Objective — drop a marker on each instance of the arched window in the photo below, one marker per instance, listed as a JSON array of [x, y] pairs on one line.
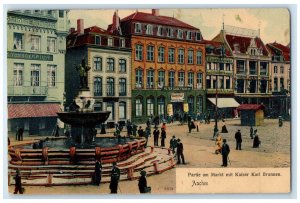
[[161, 54], [150, 106], [138, 28], [97, 86], [190, 79], [172, 79], [191, 104], [139, 106], [110, 64], [138, 52], [122, 87], [161, 79], [199, 80], [149, 30], [160, 31], [122, 110], [180, 79], [161, 105], [139, 78], [98, 63], [110, 90], [199, 57], [122, 65], [179, 34], [150, 79], [150, 53]]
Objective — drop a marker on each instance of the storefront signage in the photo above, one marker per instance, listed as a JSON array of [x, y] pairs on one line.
[[31, 22], [29, 56], [170, 109], [186, 107], [177, 97], [177, 88], [214, 59]]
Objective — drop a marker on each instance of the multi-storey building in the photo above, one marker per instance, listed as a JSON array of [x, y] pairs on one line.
[[109, 56], [252, 61], [36, 45], [219, 79], [167, 66], [281, 84]]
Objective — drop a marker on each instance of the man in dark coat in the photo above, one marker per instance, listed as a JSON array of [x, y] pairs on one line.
[[225, 151], [251, 132], [18, 183], [256, 141], [163, 137], [114, 179], [238, 139], [143, 182], [173, 144], [140, 131], [156, 136], [98, 172], [180, 152], [20, 134]]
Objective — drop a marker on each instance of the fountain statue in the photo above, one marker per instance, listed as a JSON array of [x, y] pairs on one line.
[[81, 117]]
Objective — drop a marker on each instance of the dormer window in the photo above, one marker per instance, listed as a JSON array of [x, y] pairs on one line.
[[169, 32], [160, 31], [236, 47], [179, 34], [97, 40], [138, 28], [122, 43], [198, 36], [149, 30], [188, 35], [110, 41]]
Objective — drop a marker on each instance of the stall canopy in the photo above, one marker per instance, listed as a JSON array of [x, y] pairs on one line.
[[32, 110], [225, 102]]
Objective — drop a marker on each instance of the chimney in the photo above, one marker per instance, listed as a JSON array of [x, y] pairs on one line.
[[80, 27], [155, 12], [72, 29]]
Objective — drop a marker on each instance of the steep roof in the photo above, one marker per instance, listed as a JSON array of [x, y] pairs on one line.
[[285, 50], [215, 46], [244, 43], [161, 20]]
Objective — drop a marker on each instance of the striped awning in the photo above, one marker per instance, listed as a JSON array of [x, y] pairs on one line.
[[225, 102], [33, 110]]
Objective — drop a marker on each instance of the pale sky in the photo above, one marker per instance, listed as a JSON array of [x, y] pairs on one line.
[[274, 22]]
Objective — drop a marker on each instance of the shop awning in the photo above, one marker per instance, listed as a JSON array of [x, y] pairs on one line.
[[33, 110], [224, 102]]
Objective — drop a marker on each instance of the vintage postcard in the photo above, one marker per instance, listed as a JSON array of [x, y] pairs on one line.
[[156, 101]]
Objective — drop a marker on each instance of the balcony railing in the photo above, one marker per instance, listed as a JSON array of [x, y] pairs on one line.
[[220, 91], [27, 91], [219, 72]]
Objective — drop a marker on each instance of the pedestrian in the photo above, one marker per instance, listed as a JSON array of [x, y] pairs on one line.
[[224, 129], [98, 172], [143, 183], [225, 152], [173, 144], [134, 129], [140, 131], [147, 134], [18, 183], [191, 125], [256, 141], [114, 179], [163, 136], [156, 135], [8, 141], [180, 152], [219, 140], [148, 123], [238, 139], [129, 128], [251, 132], [20, 134], [164, 126]]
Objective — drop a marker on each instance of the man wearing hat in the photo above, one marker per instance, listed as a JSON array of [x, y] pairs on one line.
[[156, 136], [173, 144], [98, 172], [225, 151], [180, 152], [238, 139], [18, 183], [114, 179], [143, 182]]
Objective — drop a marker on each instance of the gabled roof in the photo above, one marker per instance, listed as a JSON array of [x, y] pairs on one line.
[[244, 43], [285, 50], [216, 46], [160, 20], [93, 29], [250, 107]]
